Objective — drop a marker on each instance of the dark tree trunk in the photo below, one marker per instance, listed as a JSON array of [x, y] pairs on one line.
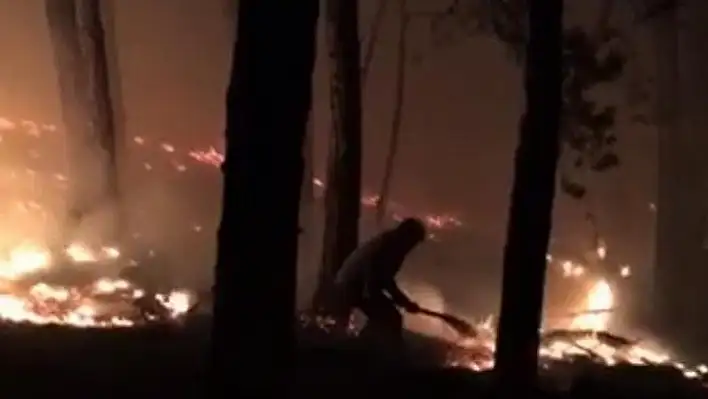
[[80, 55], [308, 235], [343, 190], [268, 103], [102, 99], [372, 40], [71, 73], [308, 153], [399, 99], [531, 202], [677, 243]]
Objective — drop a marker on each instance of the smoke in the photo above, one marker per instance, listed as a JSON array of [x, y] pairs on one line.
[[33, 187], [171, 219], [56, 191]]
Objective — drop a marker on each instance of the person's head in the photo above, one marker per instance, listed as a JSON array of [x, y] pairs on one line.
[[411, 231]]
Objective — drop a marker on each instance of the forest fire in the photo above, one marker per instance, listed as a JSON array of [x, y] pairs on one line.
[[104, 302], [585, 337], [109, 303], [582, 336]]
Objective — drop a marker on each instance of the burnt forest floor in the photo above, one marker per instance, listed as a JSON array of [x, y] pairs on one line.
[[170, 362]]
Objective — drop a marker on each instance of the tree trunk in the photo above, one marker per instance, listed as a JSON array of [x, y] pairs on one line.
[[531, 202], [372, 40], [308, 226], [675, 239], [268, 103], [71, 73], [692, 120], [80, 56], [308, 152], [103, 94], [343, 188], [399, 100]]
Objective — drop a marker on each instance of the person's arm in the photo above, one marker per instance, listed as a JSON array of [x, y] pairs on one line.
[[399, 297]]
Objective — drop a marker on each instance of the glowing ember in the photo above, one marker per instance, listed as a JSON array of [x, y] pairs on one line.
[[601, 250]]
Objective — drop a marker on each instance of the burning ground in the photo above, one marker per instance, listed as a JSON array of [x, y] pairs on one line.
[[29, 295], [575, 336]]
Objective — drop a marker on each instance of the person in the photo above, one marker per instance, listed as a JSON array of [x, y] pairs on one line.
[[367, 281]]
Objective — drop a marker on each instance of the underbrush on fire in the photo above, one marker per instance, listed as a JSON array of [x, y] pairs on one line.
[[170, 360], [359, 369]]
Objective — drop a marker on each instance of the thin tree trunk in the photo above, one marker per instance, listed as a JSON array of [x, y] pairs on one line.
[[79, 49], [308, 152], [675, 215], [307, 217], [71, 72], [268, 103], [343, 188], [372, 40], [399, 100], [531, 203], [102, 93]]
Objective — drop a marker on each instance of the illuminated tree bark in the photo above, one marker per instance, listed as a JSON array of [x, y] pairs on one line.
[[531, 202], [268, 103], [343, 188]]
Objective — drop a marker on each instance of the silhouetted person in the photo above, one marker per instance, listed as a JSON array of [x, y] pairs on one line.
[[367, 279]]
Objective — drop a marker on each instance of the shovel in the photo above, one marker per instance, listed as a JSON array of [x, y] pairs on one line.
[[460, 326]]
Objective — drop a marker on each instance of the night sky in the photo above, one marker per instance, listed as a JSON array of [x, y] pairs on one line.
[[459, 130]]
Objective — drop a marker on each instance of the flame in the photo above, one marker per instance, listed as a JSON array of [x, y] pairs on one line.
[[601, 250], [80, 253], [584, 338], [596, 313], [44, 303], [23, 260]]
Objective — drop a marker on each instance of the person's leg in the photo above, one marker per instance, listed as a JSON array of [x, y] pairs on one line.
[[383, 318]]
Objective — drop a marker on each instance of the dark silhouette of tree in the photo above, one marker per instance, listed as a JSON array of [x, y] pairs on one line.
[[675, 242], [593, 57], [397, 120], [77, 36], [343, 185], [371, 40], [307, 194], [532, 196], [115, 95], [64, 36], [268, 102], [81, 59], [103, 96]]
